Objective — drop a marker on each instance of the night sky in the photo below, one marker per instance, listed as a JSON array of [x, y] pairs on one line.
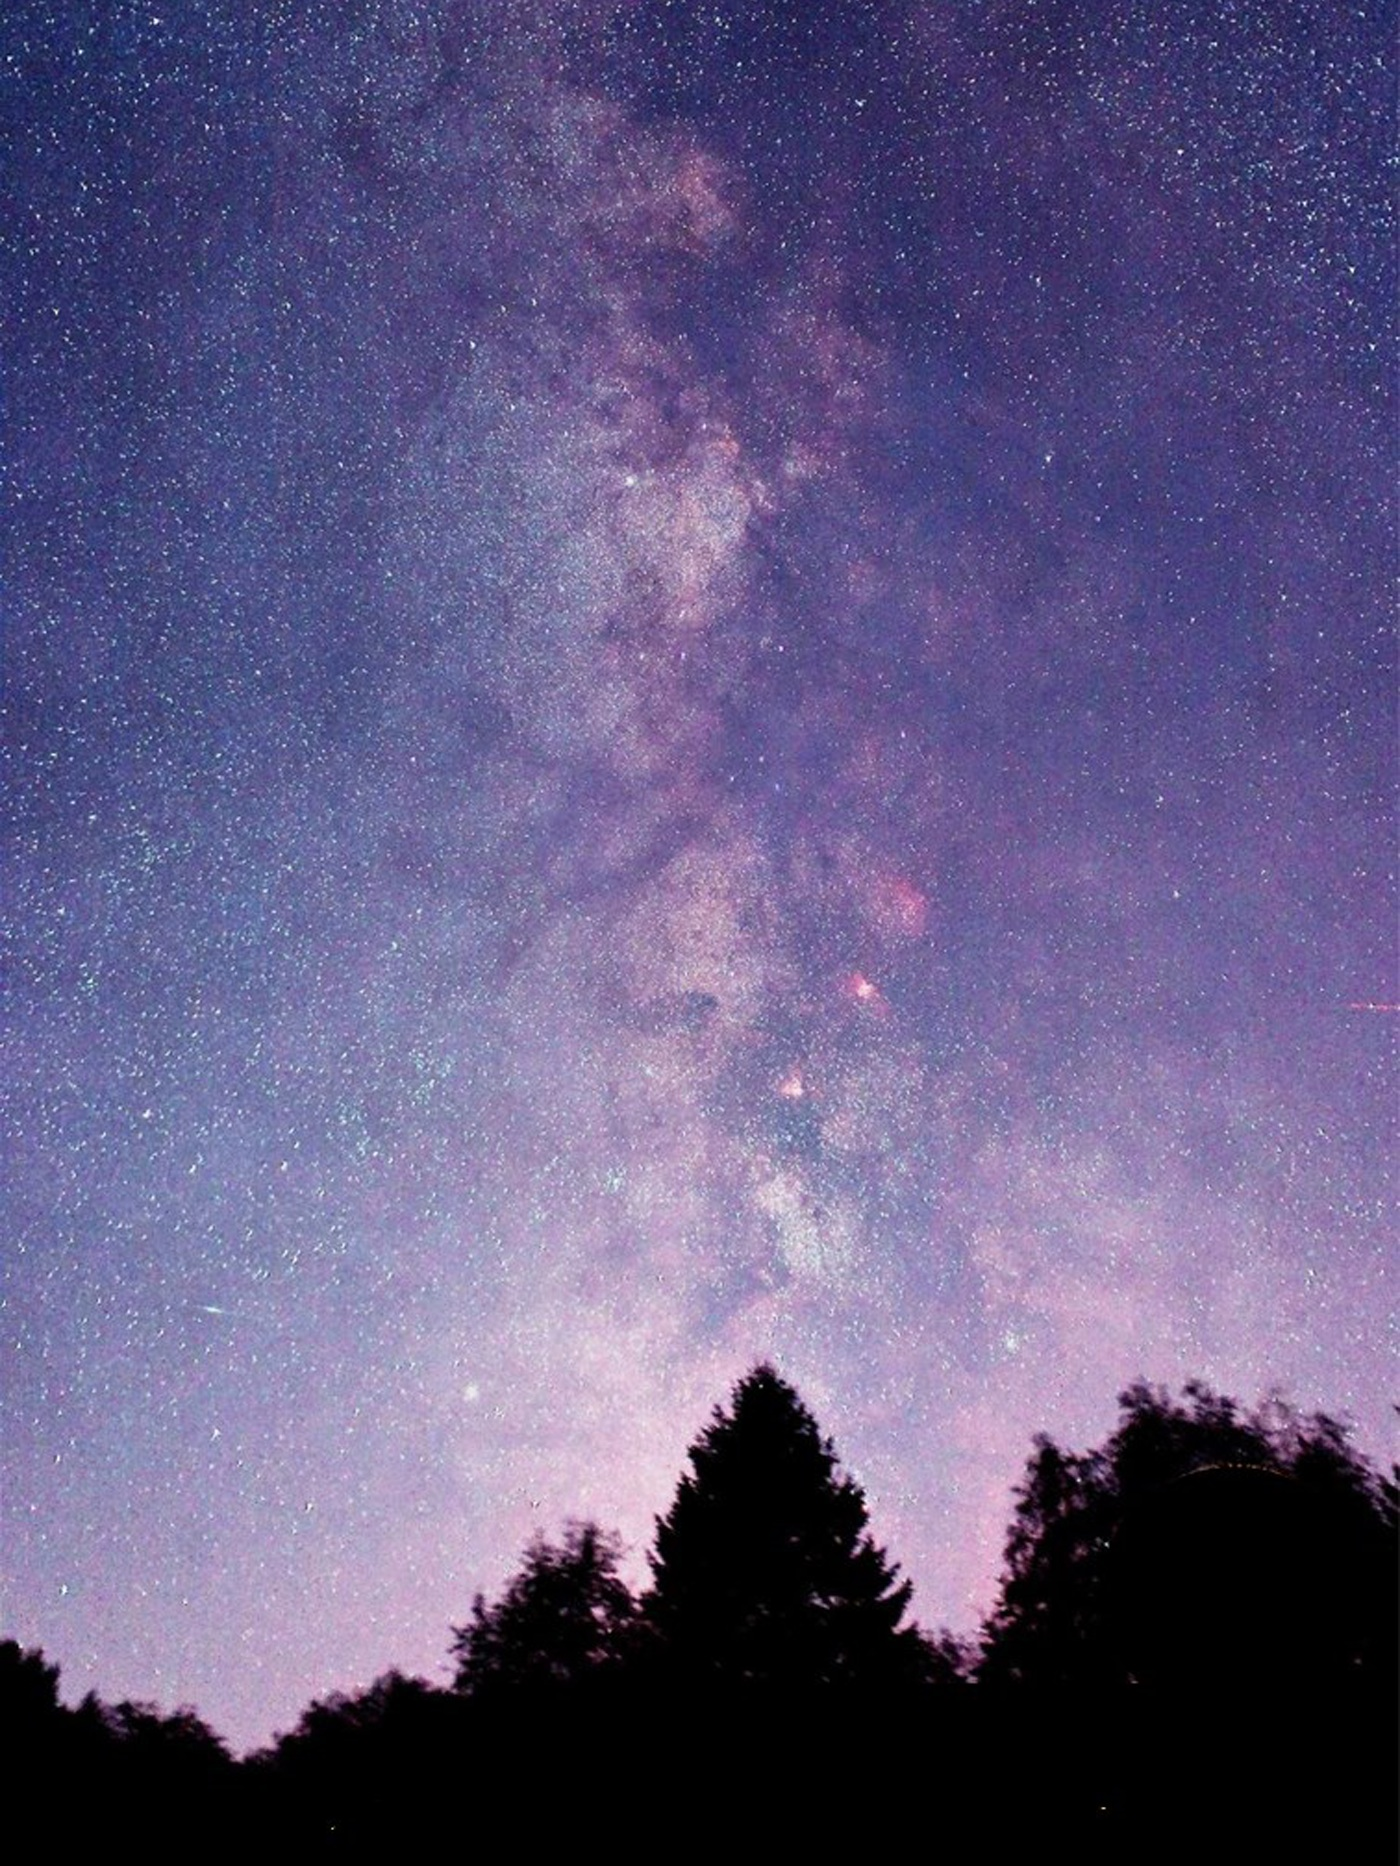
[[682, 683]]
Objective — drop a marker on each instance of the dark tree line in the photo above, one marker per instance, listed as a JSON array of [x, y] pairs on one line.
[[764, 1579], [1204, 1593], [79, 1777]]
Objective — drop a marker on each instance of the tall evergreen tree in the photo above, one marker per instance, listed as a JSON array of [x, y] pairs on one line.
[[764, 1573]]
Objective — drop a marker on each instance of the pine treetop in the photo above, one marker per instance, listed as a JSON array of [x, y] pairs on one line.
[[764, 1570]]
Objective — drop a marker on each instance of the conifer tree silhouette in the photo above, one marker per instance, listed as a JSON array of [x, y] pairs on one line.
[[764, 1573]]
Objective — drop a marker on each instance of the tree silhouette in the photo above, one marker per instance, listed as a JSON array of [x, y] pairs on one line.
[[361, 1773], [563, 1620], [122, 1772], [1199, 1547], [764, 1573], [35, 1730], [31, 1716]]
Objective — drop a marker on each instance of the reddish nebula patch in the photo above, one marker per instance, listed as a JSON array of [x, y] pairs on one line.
[[865, 995], [899, 909]]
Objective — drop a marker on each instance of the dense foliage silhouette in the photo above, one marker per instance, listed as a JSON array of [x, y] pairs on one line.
[[1199, 1547], [563, 1622], [1192, 1654], [362, 1771], [164, 1782]]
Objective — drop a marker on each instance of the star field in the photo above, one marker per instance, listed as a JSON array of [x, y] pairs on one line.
[[683, 683]]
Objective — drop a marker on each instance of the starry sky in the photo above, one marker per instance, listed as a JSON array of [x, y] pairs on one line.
[[682, 682]]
